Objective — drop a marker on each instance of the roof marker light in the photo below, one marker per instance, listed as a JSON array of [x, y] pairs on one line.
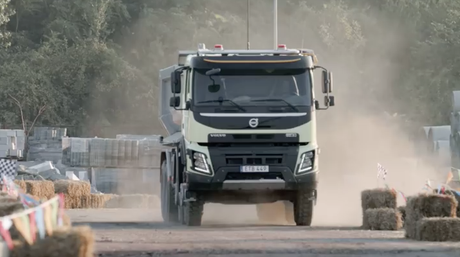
[[282, 47], [219, 47]]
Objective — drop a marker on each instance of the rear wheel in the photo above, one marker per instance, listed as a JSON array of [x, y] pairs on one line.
[[303, 208], [193, 212], [169, 210]]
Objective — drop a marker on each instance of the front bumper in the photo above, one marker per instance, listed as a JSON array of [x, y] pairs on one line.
[[230, 178]]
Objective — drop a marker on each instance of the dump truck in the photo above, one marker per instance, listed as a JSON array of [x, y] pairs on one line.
[[242, 130]]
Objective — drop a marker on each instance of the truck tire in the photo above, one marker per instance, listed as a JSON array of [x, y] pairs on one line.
[[303, 208], [169, 210], [193, 212], [289, 212]]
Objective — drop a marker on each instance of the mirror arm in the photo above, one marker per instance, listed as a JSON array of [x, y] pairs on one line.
[[319, 67]]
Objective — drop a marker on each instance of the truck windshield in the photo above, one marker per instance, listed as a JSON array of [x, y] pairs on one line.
[[246, 88]]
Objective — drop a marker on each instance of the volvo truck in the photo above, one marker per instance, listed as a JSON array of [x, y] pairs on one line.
[[242, 130]]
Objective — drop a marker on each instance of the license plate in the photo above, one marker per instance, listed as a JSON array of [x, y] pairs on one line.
[[253, 168]]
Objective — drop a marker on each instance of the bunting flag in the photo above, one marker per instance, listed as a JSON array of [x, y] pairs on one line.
[[4, 227], [41, 220]]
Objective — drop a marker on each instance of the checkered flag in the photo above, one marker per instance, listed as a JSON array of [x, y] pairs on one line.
[[381, 171], [8, 169]]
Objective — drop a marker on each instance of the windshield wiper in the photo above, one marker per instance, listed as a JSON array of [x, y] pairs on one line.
[[277, 100], [224, 100]]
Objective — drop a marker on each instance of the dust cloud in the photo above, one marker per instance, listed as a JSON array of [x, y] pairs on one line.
[[356, 134]]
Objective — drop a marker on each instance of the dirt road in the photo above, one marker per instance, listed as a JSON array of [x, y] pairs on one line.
[[131, 232]]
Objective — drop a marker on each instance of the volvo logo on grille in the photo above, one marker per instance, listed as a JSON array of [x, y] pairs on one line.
[[254, 122]]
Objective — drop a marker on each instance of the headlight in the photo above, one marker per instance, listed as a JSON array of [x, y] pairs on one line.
[[199, 163], [306, 162]]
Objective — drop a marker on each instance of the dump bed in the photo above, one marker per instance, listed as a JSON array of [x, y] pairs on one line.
[[165, 111]]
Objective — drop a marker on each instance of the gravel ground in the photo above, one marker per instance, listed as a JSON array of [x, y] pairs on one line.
[[132, 232]]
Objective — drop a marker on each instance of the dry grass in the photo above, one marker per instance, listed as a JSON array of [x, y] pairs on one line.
[[65, 242], [135, 201], [427, 206], [438, 229], [21, 184], [72, 187], [40, 188], [383, 219], [376, 199]]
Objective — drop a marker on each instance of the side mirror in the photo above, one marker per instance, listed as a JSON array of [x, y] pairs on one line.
[[327, 81], [174, 101], [317, 107], [329, 101], [176, 82]]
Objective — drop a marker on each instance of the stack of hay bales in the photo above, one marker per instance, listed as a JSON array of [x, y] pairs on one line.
[[95, 201], [432, 217], [73, 191], [66, 241], [41, 189], [135, 201], [379, 210]]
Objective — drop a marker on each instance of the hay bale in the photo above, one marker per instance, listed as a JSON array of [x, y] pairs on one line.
[[40, 188], [21, 184], [74, 188], [456, 196], [65, 242], [72, 201], [427, 206], [383, 219], [375, 199], [438, 229], [135, 201]]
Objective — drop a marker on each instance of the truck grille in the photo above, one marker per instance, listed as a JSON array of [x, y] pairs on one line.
[[254, 159]]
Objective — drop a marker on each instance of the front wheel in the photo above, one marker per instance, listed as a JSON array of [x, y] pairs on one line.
[[193, 212], [169, 209], [303, 208]]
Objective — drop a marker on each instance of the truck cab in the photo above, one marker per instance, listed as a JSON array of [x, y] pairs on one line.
[[247, 131]]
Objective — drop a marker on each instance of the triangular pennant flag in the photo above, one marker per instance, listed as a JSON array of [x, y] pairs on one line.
[[48, 221], [26, 223], [6, 234], [54, 212], [33, 226], [18, 223], [40, 221], [61, 210]]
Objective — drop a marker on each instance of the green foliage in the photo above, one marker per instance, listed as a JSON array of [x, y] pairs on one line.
[[94, 63]]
